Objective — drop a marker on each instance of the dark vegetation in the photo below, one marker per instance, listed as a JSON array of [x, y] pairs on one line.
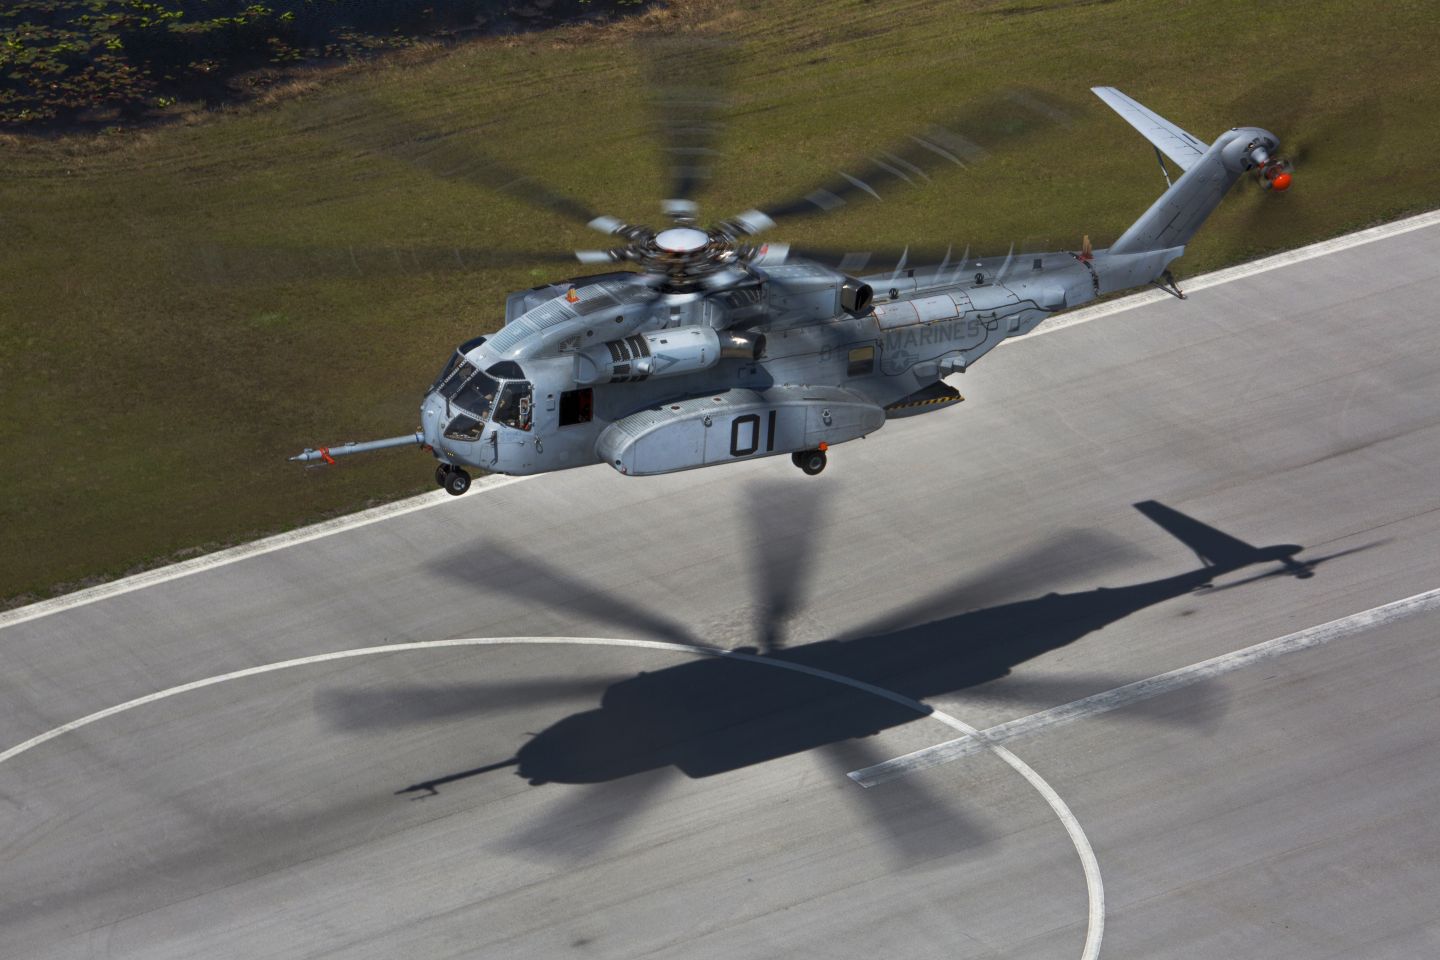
[[67, 62]]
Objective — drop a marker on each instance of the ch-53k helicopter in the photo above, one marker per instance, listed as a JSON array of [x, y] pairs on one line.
[[721, 347]]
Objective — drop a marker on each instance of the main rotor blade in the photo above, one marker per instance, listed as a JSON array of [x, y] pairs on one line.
[[689, 79], [882, 259], [962, 140], [452, 155], [220, 263]]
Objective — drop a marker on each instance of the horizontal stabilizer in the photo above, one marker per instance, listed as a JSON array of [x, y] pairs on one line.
[[1214, 548], [1179, 146]]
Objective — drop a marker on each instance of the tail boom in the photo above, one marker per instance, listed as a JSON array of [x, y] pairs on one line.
[[1209, 174]]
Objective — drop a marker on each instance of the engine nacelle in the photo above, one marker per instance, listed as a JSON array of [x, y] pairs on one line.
[[664, 353]]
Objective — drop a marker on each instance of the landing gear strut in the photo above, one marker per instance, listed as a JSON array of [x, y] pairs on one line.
[[811, 461], [455, 480]]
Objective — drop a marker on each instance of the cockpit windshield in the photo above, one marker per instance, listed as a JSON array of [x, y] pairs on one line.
[[455, 360], [477, 395], [503, 389]]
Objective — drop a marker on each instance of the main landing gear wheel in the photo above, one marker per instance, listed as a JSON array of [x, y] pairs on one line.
[[441, 472], [457, 481], [811, 461]]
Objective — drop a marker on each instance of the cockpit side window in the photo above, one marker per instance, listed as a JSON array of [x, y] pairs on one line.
[[513, 408], [449, 368], [454, 376]]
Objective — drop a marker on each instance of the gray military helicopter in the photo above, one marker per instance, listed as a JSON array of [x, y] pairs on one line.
[[723, 347]]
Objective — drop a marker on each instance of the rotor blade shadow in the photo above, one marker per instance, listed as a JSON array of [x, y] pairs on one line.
[[785, 521], [1034, 568], [589, 820], [510, 572], [915, 823], [717, 714], [389, 707]]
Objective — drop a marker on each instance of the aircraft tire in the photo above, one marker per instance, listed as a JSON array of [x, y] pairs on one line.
[[457, 482], [441, 473], [811, 461]]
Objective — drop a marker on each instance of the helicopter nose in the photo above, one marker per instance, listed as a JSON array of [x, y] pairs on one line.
[[432, 418]]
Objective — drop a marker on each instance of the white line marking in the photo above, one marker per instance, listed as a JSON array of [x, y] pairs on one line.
[[1095, 890], [220, 558], [1143, 689]]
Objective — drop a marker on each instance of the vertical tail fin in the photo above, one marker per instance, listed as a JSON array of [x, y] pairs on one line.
[[1214, 548]]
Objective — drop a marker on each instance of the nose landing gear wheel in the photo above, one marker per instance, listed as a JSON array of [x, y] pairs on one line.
[[457, 481], [811, 461], [441, 472]]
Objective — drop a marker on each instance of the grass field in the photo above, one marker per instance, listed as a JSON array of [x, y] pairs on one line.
[[150, 391]]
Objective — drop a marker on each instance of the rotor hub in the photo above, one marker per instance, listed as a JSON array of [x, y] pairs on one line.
[[682, 240]]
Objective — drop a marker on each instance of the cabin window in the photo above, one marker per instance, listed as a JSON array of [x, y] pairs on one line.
[[577, 406], [862, 362]]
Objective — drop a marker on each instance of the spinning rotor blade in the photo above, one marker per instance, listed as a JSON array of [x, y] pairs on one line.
[[886, 259], [218, 263], [1321, 141], [963, 140], [455, 156], [689, 78]]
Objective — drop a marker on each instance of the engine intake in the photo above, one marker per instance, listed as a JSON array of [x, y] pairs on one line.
[[855, 296]]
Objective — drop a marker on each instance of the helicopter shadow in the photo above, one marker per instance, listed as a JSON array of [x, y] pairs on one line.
[[718, 714]]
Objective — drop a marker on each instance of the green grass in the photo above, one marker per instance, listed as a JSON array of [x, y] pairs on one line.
[[149, 393]]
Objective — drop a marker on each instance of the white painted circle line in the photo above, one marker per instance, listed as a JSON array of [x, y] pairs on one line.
[[1095, 891], [35, 611]]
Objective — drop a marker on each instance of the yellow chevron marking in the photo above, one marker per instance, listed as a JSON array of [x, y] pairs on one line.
[[924, 403]]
